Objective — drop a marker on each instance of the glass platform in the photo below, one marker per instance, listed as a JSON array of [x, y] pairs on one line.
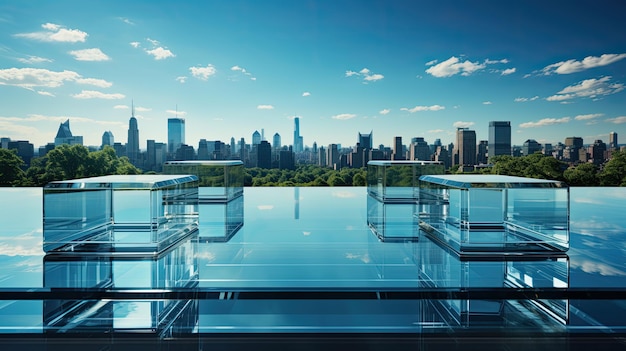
[[494, 213], [119, 212], [398, 181], [305, 270], [219, 180]]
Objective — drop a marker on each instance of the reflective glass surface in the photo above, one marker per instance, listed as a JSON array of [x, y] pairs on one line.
[[304, 261]]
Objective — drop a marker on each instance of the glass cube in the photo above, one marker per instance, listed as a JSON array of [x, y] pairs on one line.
[[220, 221], [393, 181], [474, 213], [174, 268], [392, 221], [119, 212], [441, 267], [218, 180]]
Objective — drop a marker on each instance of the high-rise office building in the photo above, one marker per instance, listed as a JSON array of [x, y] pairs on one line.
[[366, 140], [256, 138], [419, 149], [499, 138], [24, 150], [132, 145], [613, 140], [298, 143], [107, 139], [530, 147], [597, 152], [481, 155], [64, 135], [332, 156], [466, 147], [264, 154], [175, 134], [276, 144], [398, 149]]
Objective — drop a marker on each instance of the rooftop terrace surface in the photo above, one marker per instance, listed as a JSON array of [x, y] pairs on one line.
[[306, 263]]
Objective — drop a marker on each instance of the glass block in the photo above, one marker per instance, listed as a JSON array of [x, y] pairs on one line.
[[220, 221], [174, 268], [397, 181], [218, 180], [441, 267], [395, 221], [119, 212], [493, 213]]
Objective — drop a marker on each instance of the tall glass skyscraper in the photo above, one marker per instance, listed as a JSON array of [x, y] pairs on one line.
[[499, 138], [298, 143], [175, 134], [466, 146], [132, 145]]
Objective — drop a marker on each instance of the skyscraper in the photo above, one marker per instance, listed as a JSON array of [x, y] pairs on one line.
[[107, 139], [256, 138], [499, 138], [466, 147], [264, 154], [132, 145], [613, 140], [175, 134], [64, 135], [298, 143], [276, 142], [365, 140], [398, 149]]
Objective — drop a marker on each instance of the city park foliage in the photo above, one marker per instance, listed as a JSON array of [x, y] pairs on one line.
[[76, 161]]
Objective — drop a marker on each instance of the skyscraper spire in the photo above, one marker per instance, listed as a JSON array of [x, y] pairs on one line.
[[132, 108]]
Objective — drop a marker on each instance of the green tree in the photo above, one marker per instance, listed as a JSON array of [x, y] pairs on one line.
[[585, 174], [614, 171], [11, 173]]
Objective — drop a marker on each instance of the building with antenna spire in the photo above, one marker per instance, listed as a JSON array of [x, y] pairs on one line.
[[132, 145]]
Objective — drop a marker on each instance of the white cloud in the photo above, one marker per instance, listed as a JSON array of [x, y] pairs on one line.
[[424, 108], [30, 78], [177, 113], [436, 131], [126, 20], [95, 82], [33, 60], [545, 122], [160, 53], [45, 93], [344, 116], [153, 42], [487, 103], [367, 75], [508, 71], [89, 55], [203, 72], [265, 107], [384, 111], [242, 70], [121, 107], [461, 124], [573, 66], [56, 33], [617, 120], [135, 44], [524, 99], [453, 66], [92, 94], [432, 62], [142, 109], [588, 116], [181, 79], [306, 93], [237, 68], [588, 88]]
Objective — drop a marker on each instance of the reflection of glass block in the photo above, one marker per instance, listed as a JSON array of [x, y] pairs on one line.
[[441, 267], [496, 213], [125, 212], [218, 180], [174, 268], [220, 221], [393, 181], [392, 221]]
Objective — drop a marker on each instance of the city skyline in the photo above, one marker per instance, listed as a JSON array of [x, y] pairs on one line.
[[396, 68]]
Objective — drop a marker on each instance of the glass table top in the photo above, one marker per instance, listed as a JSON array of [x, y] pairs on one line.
[[304, 260]]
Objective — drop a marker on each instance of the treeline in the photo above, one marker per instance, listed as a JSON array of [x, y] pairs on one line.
[[62, 163], [612, 173], [76, 161]]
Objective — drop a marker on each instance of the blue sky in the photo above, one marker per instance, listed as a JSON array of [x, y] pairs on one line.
[[400, 68]]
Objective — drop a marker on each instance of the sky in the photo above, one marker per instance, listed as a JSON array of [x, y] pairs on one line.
[[555, 69]]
